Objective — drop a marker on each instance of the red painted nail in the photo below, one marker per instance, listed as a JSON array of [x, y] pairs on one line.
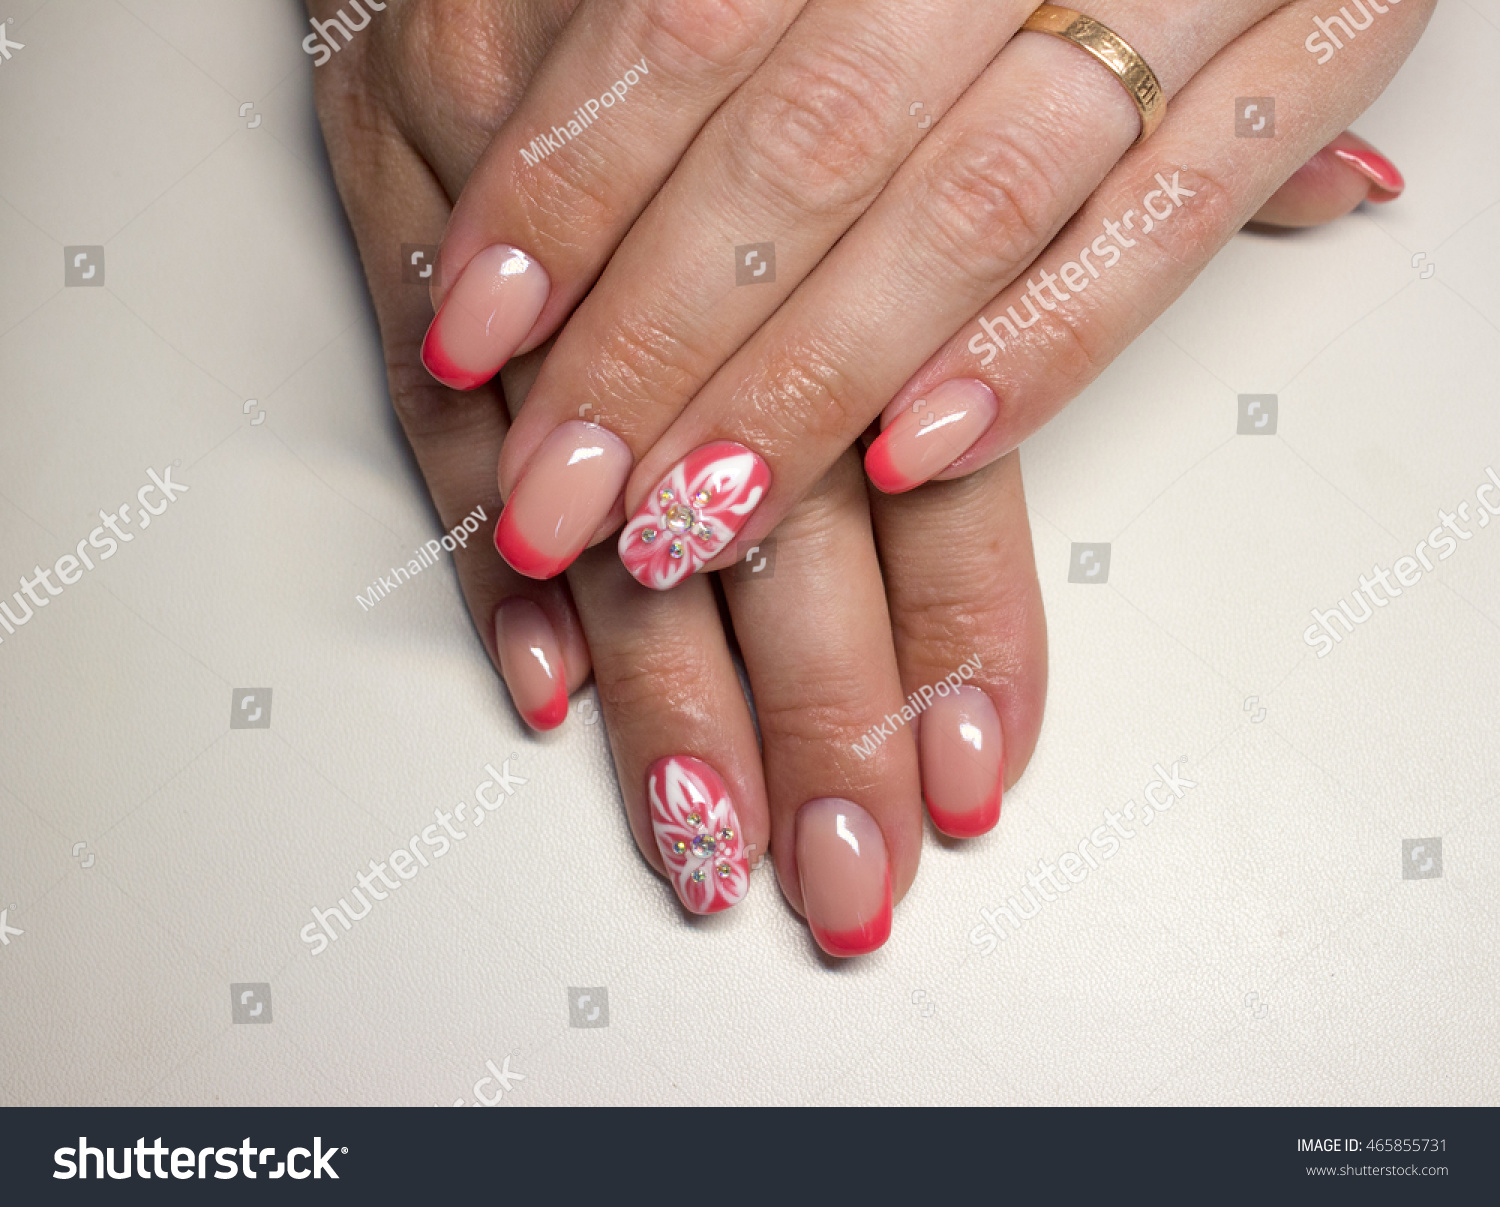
[[1377, 167]]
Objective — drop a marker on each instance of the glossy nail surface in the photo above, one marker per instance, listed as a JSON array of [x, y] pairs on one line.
[[931, 434], [698, 833], [1388, 181], [961, 753], [531, 660], [845, 876], [693, 513], [491, 308], [566, 491]]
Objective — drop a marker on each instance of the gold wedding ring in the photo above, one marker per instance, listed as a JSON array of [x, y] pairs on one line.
[[1114, 52]]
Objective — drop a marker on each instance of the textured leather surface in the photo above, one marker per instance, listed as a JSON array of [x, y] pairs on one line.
[[1256, 944]]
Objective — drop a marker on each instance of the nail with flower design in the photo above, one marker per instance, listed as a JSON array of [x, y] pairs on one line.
[[693, 514], [698, 833]]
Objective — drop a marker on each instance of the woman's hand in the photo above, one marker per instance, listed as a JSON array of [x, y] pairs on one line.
[[833, 654], [1023, 219], [831, 658]]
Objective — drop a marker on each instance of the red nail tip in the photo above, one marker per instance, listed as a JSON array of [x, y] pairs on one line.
[[437, 362], [519, 553], [967, 825], [1374, 165], [859, 942], [553, 714], [881, 470]]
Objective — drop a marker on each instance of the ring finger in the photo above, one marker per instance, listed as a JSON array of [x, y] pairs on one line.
[[846, 822]]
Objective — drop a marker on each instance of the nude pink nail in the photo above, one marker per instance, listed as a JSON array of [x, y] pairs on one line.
[[531, 661], [693, 513], [931, 434], [961, 753], [565, 492], [491, 308], [845, 876], [698, 833]]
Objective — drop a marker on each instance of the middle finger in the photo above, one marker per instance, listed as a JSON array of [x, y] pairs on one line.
[[790, 160], [975, 203]]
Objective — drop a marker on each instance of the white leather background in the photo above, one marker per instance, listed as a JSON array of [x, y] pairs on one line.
[[1257, 944]]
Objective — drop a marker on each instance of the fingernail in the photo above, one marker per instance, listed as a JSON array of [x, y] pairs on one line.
[[931, 434], [698, 833], [1377, 167], [961, 761], [565, 493], [845, 876], [531, 661], [491, 308], [693, 513]]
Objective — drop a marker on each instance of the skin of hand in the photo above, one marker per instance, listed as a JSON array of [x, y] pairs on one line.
[[406, 120], [776, 123], [407, 109]]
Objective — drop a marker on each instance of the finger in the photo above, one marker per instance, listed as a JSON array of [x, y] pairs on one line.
[[683, 740], [1003, 170], [971, 637], [452, 73], [1200, 185], [453, 437], [606, 116], [918, 443], [846, 825], [1330, 184], [789, 161]]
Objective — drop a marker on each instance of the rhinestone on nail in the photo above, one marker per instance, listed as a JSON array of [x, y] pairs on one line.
[[724, 870], [665, 496], [679, 848], [726, 835], [698, 876], [705, 847], [695, 819], [702, 530], [675, 548], [702, 497], [680, 518], [648, 535]]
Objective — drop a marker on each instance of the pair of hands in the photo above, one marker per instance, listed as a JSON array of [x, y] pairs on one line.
[[783, 122]]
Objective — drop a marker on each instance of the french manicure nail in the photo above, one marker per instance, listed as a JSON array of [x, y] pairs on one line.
[[961, 754], [693, 513], [531, 661], [565, 492], [1377, 167], [698, 833], [931, 434], [845, 876], [489, 310]]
